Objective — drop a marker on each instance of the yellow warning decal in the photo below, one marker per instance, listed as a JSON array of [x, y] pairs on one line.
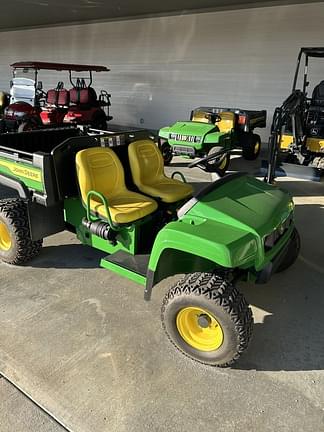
[[22, 171]]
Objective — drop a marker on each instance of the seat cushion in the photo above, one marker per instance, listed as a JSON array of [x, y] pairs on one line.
[[168, 190], [125, 208]]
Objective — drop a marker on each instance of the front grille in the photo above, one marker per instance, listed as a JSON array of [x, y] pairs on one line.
[[272, 239], [183, 150]]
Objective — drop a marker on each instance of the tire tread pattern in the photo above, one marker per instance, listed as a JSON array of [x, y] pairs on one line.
[[216, 288], [15, 212]]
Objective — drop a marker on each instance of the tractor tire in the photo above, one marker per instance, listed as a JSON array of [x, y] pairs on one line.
[[219, 165], [251, 146], [292, 253], [166, 151], [16, 246], [207, 319]]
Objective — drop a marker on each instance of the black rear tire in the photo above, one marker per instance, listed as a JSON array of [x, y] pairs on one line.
[[292, 252], [251, 146], [222, 301], [16, 246], [166, 151]]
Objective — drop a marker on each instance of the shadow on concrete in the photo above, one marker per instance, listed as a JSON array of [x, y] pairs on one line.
[[290, 336], [68, 256]]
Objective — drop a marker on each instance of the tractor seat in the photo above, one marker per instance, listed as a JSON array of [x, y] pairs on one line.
[[100, 170], [147, 167]]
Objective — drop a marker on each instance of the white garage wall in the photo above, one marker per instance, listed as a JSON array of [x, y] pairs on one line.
[[163, 67]]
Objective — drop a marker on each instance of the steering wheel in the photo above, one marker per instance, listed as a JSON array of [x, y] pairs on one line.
[[213, 117], [202, 163]]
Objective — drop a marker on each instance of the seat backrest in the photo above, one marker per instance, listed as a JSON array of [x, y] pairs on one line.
[[63, 97], [83, 96], [51, 97], [226, 124], [318, 95], [200, 116], [99, 169], [146, 162]]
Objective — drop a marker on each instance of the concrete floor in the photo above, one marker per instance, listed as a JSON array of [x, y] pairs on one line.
[[19, 414], [81, 341]]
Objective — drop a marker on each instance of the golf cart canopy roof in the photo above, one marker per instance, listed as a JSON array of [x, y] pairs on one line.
[[313, 52], [59, 66]]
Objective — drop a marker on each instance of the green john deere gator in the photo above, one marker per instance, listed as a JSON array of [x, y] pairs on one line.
[[214, 130], [111, 191]]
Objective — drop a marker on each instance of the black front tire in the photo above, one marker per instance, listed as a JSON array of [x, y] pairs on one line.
[[218, 165], [16, 245], [251, 146], [220, 298], [292, 252], [166, 151]]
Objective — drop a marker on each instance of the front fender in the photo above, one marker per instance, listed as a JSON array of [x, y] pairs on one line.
[[189, 245], [225, 245], [164, 132]]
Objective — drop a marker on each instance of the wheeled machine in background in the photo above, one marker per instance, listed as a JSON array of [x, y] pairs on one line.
[[296, 143], [214, 130], [111, 191], [33, 108]]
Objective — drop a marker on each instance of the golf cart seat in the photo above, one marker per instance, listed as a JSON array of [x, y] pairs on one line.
[[100, 170], [58, 97], [147, 167], [84, 96]]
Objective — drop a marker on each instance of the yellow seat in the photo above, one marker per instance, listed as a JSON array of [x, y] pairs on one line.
[[100, 170], [226, 124], [147, 169], [201, 117]]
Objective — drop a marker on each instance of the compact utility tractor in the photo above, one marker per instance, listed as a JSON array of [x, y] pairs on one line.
[[33, 108], [111, 191], [213, 130], [296, 144]]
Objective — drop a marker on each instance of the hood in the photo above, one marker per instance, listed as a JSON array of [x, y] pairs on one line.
[[191, 128], [245, 203]]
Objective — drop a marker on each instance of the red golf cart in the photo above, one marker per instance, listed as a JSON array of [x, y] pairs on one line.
[[32, 108]]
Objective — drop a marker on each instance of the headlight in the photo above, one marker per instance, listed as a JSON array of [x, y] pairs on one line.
[[271, 239]]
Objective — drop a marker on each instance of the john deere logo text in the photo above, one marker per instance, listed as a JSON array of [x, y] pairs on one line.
[[21, 171]]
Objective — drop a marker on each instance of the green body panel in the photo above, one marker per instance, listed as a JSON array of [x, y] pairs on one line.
[[123, 272], [74, 212], [228, 225], [32, 177], [208, 136], [226, 228]]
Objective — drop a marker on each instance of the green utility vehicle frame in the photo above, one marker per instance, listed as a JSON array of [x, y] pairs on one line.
[[112, 192], [211, 130]]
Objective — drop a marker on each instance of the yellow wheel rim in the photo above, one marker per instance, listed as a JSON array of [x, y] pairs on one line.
[[199, 328], [5, 238], [257, 147], [222, 164]]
